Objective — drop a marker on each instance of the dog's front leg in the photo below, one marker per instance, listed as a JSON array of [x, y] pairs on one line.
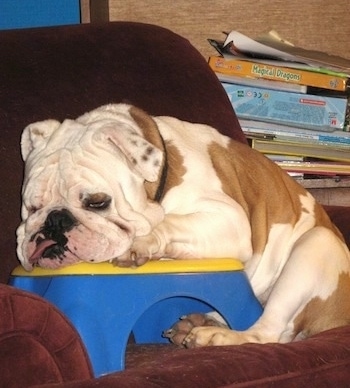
[[197, 235]]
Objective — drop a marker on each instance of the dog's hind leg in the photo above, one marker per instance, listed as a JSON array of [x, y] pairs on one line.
[[178, 332], [311, 295]]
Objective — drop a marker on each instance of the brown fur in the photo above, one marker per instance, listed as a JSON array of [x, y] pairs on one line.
[[176, 167], [336, 305], [243, 173], [175, 163], [151, 133]]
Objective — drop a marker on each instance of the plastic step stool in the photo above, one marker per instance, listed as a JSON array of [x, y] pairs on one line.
[[106, 303]]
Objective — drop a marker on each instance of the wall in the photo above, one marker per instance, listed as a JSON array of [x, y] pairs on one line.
[[314, 24]]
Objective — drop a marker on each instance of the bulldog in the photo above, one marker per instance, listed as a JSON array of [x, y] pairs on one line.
[[119, 185]]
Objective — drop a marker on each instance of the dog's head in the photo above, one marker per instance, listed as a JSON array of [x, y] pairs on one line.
[[84, 195]]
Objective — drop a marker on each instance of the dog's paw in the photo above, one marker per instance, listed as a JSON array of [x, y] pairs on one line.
[[143, 249], [126, 260], [180, 331], [210, 336]]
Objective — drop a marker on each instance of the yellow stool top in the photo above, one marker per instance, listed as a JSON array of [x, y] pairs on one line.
[[151, 267]]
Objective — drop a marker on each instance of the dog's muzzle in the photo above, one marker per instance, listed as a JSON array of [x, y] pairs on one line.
[[51, 241]]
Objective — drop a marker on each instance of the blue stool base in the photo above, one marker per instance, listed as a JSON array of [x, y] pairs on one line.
[[106, 309]]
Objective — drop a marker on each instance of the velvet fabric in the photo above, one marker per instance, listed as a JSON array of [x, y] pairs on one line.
[[321, 361], [37, 343], [62, 72]]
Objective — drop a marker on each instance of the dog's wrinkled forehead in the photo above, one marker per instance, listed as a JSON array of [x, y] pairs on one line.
[[50, 134], [112, 129]]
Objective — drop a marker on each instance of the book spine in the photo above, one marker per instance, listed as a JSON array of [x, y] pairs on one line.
[[305, 150], [277, 73], [293, 136], [304, 135], [322, 113]]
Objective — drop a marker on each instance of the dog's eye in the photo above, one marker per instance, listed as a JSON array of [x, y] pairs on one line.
[[99, 205], [98, 201]]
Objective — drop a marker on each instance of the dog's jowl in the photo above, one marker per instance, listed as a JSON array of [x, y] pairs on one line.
[[119, 185]]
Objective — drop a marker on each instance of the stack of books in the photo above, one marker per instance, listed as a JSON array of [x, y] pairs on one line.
[[293, 104]]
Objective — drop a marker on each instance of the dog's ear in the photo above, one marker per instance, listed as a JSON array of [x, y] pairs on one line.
[[36, 135], [141, 147]]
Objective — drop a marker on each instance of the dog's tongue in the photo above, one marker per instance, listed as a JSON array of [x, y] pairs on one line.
[[39, 250]]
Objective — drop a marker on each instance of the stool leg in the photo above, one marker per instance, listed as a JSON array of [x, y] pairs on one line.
[[104, 339], [104, 323]]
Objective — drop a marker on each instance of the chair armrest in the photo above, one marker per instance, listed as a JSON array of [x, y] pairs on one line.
[[38, 344]]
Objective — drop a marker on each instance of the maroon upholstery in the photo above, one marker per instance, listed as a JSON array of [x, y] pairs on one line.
[[63, 72], [37, 344], [321, 361]]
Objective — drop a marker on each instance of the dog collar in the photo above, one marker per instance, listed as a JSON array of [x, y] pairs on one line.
[[160, 190]]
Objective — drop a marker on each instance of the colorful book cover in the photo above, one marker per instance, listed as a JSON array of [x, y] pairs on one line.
[[285, 132], [251, 69], [300, 110], [319, 151]]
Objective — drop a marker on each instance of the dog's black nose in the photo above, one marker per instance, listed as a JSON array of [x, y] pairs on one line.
[[51, 240], [59, 221]]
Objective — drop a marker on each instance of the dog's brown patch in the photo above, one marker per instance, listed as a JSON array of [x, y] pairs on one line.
[[265, 192], [176, 167], [320, 315], [148, 126], [151, 133], [175, 163]]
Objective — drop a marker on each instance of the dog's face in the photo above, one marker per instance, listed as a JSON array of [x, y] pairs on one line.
[[84, 197]]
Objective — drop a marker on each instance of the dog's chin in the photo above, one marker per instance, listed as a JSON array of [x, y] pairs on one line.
[[47, 263]]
